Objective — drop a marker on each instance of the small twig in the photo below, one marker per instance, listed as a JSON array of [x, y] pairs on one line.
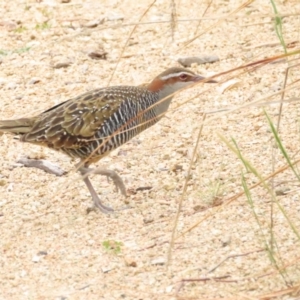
[[42, 164], [127, 41], [144, 188], [232, 256], [204, 279], [172, 240]]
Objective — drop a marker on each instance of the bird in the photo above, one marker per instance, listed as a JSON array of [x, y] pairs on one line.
[[91, 125]]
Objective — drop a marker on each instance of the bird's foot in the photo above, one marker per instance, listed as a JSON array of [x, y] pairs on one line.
[[117, 180], [109, 173]]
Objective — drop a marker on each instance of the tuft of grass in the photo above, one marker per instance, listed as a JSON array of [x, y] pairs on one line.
[[269, 240], [251, 169], [278, 26], [45, 12], [43, 26], [211, 195], [113, 247], [290, 163], [281, 147], [3, 52], [20, 29], [270, 243], [19, 50]]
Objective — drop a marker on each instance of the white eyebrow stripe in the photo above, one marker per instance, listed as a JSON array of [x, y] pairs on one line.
[[175, 75]]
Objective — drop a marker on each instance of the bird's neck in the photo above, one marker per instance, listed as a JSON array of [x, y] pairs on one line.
[[164, 92]]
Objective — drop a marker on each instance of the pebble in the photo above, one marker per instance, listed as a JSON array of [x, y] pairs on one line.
[[62, 64], [177, 167], [11, 86], [282, 192], [10, 187], [169, 289], [10, 25], [3, 182], [148, 220], [84, 68], [258, 125], [276, 87], [115, 18], [106, 269], [97, 54], [34, 80], [94, 23], [131, 263], [160, 261], [198, 60], [36, 258], [225, 240]]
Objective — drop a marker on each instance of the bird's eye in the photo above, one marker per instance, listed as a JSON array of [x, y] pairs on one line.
[[183, 77]]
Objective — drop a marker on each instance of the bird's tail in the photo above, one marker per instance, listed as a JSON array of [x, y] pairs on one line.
[[18, 126]]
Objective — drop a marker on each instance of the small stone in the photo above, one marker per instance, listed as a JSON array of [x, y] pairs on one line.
[[10, 25], [2, 81], [97, 54], [34, 81], [84, 68], [276, 87], [198, 208], [160, 261], [182, 151], [257, 126], [166, 156], [225, 240], [115, 18], [94, 23], [2, 182], [198, 60], [282, 192], [23, 273], [177, 168], [148, 220], [10, 187], [131, 263], [62, 64], [169, 187], [36, 258], [225, 127], [65, 1], [143, 188], [122, 153], [11, 86], [106, 269]]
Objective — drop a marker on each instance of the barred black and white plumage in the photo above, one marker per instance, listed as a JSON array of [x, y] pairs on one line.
[[93, 124]]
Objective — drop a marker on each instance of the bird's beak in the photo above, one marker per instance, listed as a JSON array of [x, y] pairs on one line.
[[200, 78]]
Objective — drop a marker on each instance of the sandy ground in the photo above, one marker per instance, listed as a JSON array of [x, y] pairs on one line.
[[50, 248]]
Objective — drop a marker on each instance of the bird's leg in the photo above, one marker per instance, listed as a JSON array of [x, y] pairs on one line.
[[117, 180], [85, 172]]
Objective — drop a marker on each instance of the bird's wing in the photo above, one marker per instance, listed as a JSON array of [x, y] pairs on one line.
[[76, 121]]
